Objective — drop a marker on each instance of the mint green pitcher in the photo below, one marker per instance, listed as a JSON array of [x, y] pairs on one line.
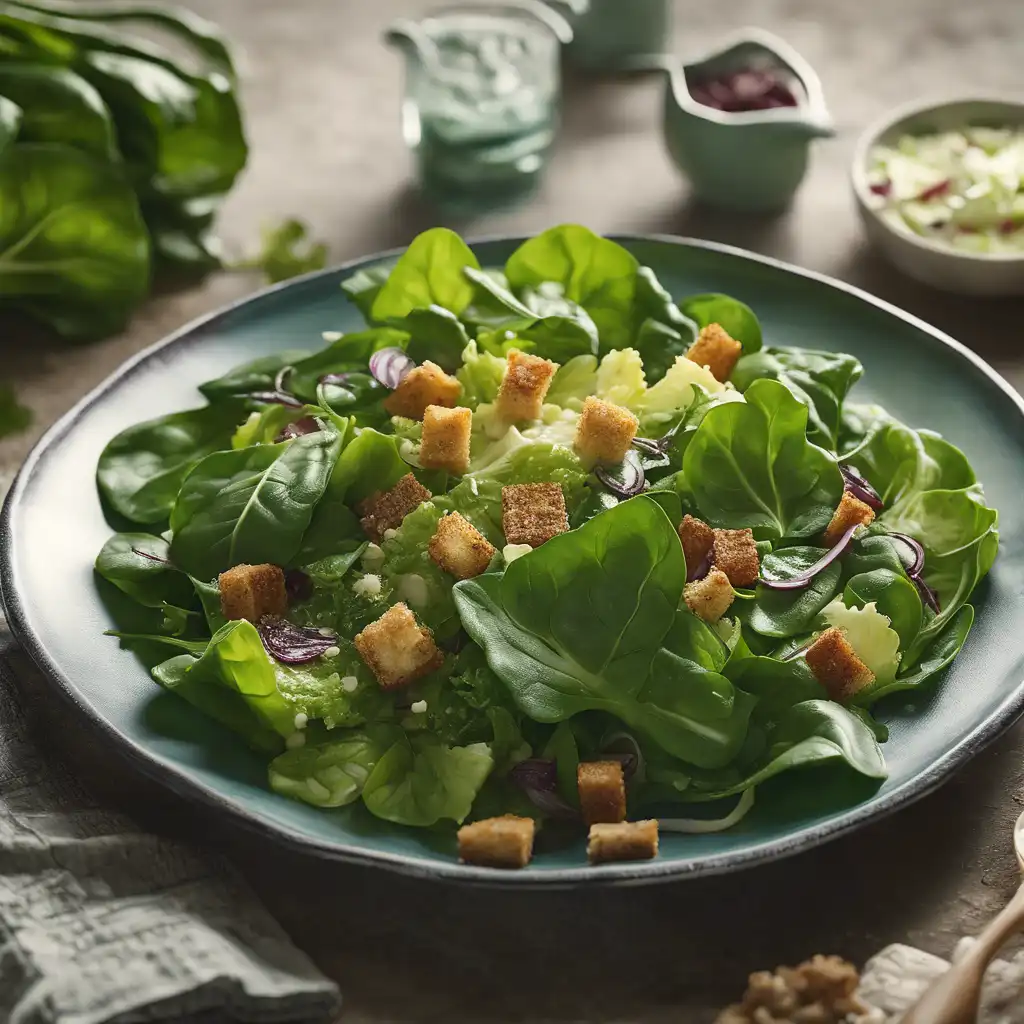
[[755, 160]]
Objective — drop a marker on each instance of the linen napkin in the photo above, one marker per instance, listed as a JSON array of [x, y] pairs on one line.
[[101, 922]]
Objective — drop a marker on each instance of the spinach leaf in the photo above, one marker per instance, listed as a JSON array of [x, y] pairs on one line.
[[139, 564], [893, 595], [436, 334], [813, 732], [778, 685], [140, 471], [368, 463], [429, 273], [623, 569], [218, 702], [786, 613], [14, 417], [332, 773], [59, 106], [593, 272], [750, 465], [942, 647], [251, 505], [420, 781], [280, 256], [659, 346], [736, 317], [73, 248], [363, 287], [820, 380], [257, 375]]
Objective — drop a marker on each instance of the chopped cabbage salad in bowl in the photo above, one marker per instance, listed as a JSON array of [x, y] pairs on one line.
[[543, 549]]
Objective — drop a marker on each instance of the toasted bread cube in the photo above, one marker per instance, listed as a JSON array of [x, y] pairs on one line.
[[532, 513], [716, 350], [252, 591], [505, 842], [710, 598], [604, 432], [602, 789], [851, 512], [445, 443], [459, 548], [397, 649], [698, 542], [836, 666], [626, 840], [524, 386], [736, 555], [386, 511], [425, 385]]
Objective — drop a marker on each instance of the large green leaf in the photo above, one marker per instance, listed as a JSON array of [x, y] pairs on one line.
[[749, 464], [252, 505], [73, 248]]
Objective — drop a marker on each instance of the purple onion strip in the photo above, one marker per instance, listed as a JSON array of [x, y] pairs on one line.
[[307, 425], [276, 398], [538, 779], [928, 594], [803, 579], [861, 489], [915, 567], [701, 570], [281, 378], [152, 558], [390, 366], [292, 644], [627, 480], [340, 379]]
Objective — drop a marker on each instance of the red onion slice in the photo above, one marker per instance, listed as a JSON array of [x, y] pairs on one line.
[[276, 398], [860, 488], [928, 594], [298, 585], [647, 446], [804, 578], [390, 365], [307, 425], [917, 563], [538, 779], [340, 379], [292, 644], [701, 570], [627, 479], [934, 191], [152, 558], [282, 376]]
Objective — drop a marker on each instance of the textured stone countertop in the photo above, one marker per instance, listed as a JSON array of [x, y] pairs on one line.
[[322, 97]]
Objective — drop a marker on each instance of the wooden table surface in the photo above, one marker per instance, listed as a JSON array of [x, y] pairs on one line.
[[322, 99]]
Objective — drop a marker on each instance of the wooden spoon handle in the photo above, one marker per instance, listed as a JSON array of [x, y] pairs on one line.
[[954, 998]]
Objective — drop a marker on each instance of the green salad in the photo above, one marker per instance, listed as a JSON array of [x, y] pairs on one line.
[[535, 528]]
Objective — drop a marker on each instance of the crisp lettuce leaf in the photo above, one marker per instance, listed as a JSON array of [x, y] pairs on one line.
[[620, 378], [480, 375], [573, 383]]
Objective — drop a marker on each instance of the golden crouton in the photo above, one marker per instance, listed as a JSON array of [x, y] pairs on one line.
[[397, 649], [626, 840], [386, 511], [736, 555], [836, 666], [252, 591], [459, 548], [532, 513], [505, 842], [709, 599], [604, 432], [524, 386], [698, 540], [602, 789], [445, 443], [425, 385], [715, 350], [851, 512]]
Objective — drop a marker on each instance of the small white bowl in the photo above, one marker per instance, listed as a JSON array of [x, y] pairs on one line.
[[938, 265]]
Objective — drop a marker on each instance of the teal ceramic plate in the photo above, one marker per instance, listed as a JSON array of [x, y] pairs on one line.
[[52, 527]]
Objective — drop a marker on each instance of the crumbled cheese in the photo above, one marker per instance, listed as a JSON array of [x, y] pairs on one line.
[[510, 552], [350, 684], [367, 586], [301, 720], [419, 707], [390, 534], [413, 590], [327, 631], [297, 739], [332, 652], [372, 557], [331, 336]]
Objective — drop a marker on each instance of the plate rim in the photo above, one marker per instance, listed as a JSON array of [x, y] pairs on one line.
[[168, 774]]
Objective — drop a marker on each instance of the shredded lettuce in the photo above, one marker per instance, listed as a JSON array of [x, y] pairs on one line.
[[870, 635]]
